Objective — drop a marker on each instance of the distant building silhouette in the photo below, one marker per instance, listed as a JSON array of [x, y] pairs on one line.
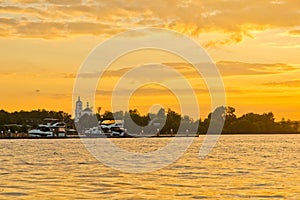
[[78, 109], [87, 110], [79, 112]]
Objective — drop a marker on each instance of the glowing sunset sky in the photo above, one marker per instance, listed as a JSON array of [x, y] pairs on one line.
[[254, 43]]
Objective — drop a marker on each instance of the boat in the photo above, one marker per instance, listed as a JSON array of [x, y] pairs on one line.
[[41, 131], [50, 128], [94, 131], [59, 129], [113, 128]]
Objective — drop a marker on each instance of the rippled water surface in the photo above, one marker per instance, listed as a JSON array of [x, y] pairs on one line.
[[239, 167]]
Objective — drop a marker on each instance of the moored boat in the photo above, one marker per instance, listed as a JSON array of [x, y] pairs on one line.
[[41, 131]]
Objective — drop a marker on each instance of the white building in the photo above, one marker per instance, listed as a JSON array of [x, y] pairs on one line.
[[78, 109], [87, 110], [79, 112]]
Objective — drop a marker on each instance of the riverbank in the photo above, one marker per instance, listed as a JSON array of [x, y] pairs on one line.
[[25, 136]]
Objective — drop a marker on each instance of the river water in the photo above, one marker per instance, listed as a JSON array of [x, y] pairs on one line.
[[239, 167]]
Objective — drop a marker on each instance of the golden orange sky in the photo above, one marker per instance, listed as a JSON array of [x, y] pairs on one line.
[[254, 43]]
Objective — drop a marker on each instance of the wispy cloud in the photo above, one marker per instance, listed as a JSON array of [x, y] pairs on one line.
[[235, 68], [295, 32], [232, 68], [291, 83], [7, 74], [157, 91], [226, 68], [151, 91]]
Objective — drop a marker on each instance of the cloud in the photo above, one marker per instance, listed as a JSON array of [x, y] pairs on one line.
[[49, 30], [45, 30], [232, 38], [68, 75], [295, 32], [8, 74], [89, 75], [107, 74], [65, 2], [186, 70], [234, 19], [150, 91], [59, 96], [233, 68], [230, 68], [8, 21], [292, 83]]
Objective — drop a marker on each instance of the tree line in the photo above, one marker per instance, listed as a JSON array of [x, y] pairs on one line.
[[164, 121], [249, 123], [29, 119]]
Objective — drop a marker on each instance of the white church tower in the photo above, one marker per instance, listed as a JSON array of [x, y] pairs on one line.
[[78, 109]]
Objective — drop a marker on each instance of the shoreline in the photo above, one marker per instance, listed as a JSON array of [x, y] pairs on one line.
[[144, 136]]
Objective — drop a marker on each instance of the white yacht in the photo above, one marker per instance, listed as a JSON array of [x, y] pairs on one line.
[[113, 127], [41, 131], [51, 128]]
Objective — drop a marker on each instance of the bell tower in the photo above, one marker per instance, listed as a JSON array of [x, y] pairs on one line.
[[78, 109]]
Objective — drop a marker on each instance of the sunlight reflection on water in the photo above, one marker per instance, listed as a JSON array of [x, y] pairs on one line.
[[240, 167]]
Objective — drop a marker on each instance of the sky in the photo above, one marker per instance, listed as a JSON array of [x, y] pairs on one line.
[[254, 43]]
